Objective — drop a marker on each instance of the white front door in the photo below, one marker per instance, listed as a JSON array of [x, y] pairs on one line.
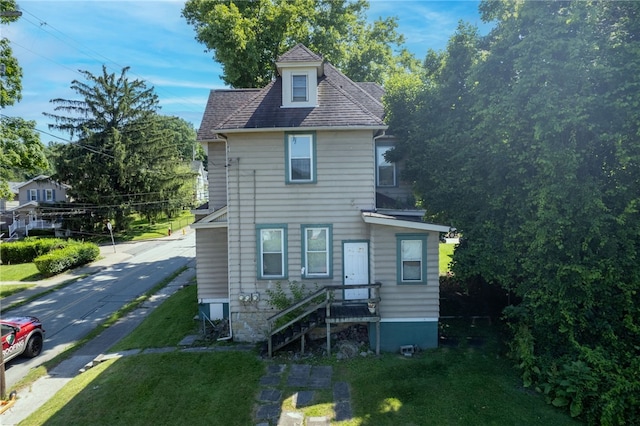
[[356, 269]]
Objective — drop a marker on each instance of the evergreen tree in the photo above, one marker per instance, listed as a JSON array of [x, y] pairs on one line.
[[124, 160]]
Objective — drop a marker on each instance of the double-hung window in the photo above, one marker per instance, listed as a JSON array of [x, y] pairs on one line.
[[33, 195], [300, 153], [316, 251], [272, 251], [299, 92], [48, 194], [411, 258], [386, 170]]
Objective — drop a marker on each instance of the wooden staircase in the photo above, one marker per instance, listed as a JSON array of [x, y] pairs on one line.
[[323, 308]]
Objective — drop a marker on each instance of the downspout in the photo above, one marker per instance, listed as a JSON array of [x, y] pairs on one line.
[[230, 336], [375, 166]]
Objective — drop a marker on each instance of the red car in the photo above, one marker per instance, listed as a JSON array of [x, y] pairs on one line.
[[21, 336]]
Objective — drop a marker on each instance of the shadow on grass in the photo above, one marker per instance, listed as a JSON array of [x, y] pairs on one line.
[[167, 388], [33, 277]]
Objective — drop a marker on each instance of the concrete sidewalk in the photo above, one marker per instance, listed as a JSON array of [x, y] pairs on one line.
[[31, 399]]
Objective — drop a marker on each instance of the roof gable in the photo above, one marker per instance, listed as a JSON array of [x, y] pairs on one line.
[[341, 103], [299, 53]]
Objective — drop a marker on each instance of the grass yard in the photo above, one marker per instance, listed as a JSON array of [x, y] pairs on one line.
[[445, 256], [7, 290], [165, 326], [159, 389], [444, 387], [19, 272], [463, 385], [141, 229]]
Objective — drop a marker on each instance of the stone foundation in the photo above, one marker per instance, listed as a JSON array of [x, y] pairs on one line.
[[250, 326]]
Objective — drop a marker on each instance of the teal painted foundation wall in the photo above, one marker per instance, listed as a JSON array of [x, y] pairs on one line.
[[396, 334]]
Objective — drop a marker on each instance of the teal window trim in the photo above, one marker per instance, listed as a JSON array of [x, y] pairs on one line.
[[401, 280], [288, 139], [259, 251], [304, 254]]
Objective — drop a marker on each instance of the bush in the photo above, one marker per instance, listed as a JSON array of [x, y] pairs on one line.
[[281, 299], [73, 255], [28, 249]]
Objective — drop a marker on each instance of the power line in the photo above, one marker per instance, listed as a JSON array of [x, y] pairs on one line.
[[87, 51]]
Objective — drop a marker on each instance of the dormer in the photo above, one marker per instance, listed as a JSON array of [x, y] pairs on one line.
[[300, 69]]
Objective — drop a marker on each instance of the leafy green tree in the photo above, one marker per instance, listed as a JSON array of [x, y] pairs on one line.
[[11, 75], [248, 36], [126, 159], [531, 142], [21, 152], [183, 137]]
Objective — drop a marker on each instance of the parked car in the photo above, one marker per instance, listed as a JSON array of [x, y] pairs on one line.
[[21, 336]]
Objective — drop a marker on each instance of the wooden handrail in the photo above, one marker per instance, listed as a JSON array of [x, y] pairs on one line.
[[326, 303]]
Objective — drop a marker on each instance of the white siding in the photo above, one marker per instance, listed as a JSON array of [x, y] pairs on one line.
[[211, 268]]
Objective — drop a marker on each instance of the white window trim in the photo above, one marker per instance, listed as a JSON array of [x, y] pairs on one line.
[[312, 87], [33, 195], [306, 88], [48, 195]]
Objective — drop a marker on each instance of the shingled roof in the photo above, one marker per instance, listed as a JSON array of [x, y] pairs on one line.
[[341, 103], [299, 53]]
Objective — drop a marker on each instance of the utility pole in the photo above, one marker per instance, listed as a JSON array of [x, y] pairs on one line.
[[3, 383]]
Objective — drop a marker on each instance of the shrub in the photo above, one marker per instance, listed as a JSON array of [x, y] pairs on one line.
[[281, 299], [68, 257], [28, 249]]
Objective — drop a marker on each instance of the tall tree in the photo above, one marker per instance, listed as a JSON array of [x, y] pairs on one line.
[[124, 159], [11, 75], [542, 174], [183, 137], [21, 152], [248, 36]]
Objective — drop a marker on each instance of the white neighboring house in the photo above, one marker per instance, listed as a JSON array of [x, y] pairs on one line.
[[31, 211], [201, 185]]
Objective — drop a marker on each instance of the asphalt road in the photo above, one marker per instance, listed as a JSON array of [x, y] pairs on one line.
[[71, 313]]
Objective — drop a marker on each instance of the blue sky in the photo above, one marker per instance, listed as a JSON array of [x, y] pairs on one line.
[[53, 39]]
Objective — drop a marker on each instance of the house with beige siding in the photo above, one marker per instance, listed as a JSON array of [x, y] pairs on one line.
[[300, 190]]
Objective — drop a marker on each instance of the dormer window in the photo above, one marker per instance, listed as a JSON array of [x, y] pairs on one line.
[[299, 88]]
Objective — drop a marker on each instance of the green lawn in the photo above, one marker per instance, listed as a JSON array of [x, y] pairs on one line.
[[7, 290], [446, 253], [464, 385], [165, 326], [19, 272]]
